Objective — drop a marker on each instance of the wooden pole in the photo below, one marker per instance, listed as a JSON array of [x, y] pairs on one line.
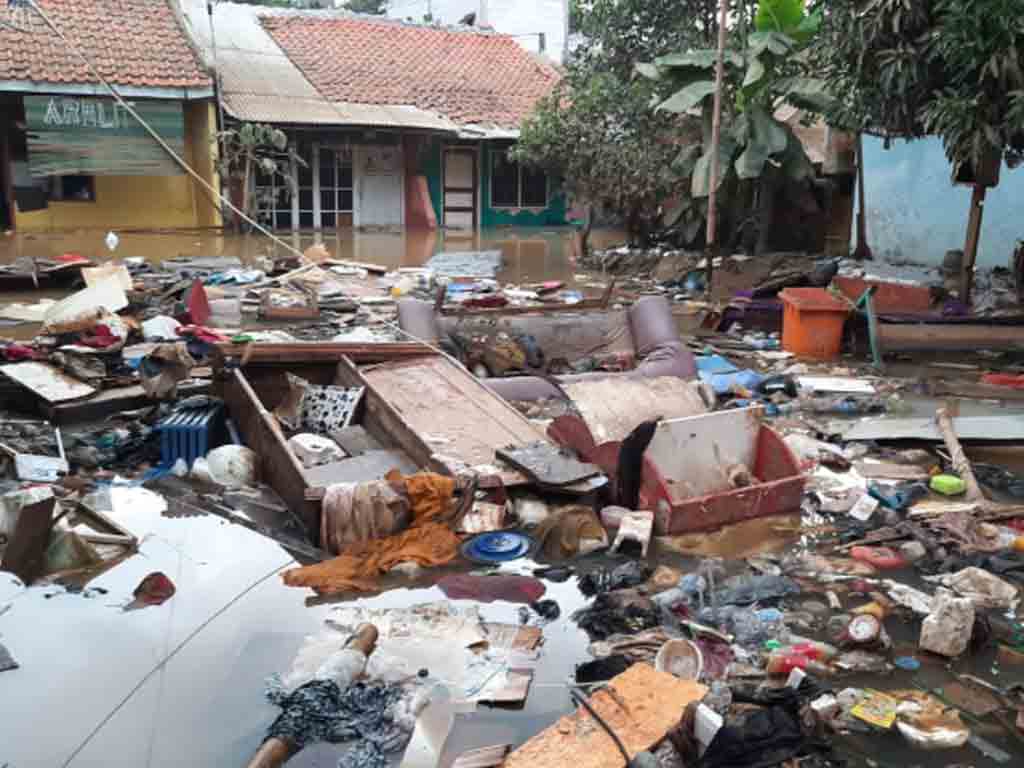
[[863, 250], [971, 246], [716, 141], [961, 465]]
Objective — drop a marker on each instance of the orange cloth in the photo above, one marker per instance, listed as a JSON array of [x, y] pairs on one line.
[[430, 495], [357, 568]]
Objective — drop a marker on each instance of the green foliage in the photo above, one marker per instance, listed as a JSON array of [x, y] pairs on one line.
[[253, 146], [910, 68], [598, 131], [757, 81], [372, 7]]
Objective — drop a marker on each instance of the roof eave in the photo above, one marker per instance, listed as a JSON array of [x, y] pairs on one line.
[[98, 89]]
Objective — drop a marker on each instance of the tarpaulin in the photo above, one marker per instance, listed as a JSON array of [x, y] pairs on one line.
[[357, 569]]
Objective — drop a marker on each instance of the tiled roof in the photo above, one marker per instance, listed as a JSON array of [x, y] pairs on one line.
[[470, 77], [131, 42]]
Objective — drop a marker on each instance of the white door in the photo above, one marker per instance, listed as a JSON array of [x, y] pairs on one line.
[[379, 177], [460, 189]]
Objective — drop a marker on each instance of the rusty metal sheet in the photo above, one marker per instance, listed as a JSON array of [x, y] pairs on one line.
[[612, 408], [49, 383], [462, 421]]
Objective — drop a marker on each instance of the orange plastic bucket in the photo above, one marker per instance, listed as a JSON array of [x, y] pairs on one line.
[[812, 322]]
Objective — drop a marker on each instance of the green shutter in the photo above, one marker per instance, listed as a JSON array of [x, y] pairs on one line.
[[88, 135]]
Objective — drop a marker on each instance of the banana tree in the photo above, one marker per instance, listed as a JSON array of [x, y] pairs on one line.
[[758, 151], [253, 146]]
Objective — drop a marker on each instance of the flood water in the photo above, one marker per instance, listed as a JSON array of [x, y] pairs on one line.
[[530, 254], [183, 683]]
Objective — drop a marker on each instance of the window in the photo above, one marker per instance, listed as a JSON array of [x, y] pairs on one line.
[[513, 186], [335, 185], [73, 188]]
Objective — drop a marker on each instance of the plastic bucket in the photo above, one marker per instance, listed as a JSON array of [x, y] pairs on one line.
[[680, 658], [812, 322]]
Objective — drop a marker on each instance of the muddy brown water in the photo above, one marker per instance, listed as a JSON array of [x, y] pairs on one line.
[[182, 683]]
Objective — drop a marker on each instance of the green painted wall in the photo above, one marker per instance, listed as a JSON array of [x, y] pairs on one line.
[[552, 216], [430, 165]]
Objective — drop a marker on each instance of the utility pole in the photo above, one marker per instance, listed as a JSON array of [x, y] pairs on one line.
[[716, 140]]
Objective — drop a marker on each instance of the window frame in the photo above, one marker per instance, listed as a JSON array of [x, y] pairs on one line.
[[58, 180], [519, 206]]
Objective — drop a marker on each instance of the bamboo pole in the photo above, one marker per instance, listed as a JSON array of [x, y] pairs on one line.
[[961, 465], [716, 141]]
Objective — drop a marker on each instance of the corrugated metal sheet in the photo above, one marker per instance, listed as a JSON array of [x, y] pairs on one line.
[[259, 83], [72, 134]]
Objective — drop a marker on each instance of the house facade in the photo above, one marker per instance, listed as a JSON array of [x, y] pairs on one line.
[[70, 155], [395, 125]]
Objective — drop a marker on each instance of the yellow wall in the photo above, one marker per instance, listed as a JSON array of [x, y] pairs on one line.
[[145, 202]]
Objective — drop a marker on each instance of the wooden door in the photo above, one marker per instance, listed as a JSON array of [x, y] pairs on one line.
[[460, 189]]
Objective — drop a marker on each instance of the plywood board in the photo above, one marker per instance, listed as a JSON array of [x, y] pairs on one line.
[[646, 705], [694, 454], [966, 427], [371, 465], [48, 382], [613, 407], [461, 420]]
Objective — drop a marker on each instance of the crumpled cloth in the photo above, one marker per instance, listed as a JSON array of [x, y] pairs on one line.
[[430, 495], [571, 531], [355, 512], [362, 714], [507, 587], [357, 568]]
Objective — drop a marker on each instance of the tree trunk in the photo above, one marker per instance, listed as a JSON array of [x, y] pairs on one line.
[[245, 190], [766, 194]]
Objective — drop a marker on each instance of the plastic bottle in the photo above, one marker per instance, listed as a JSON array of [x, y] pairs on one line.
[[882, 558], [784, 661]]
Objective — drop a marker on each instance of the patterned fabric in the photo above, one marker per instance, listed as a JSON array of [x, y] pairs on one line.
[[362, 714]]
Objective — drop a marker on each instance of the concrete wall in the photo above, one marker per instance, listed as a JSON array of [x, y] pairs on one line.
[[915, 212], [144, 202], [510, 17]]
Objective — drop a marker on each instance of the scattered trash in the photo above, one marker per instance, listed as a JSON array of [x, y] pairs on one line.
[[947, 629], [154, 589]]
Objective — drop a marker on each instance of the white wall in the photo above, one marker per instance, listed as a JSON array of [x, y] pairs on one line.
[[915, 212], [510, 17]]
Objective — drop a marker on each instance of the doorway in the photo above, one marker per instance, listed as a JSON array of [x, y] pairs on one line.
[[460, 189]]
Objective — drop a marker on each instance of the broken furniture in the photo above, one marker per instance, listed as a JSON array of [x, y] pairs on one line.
[[702, 472], [646, 332]]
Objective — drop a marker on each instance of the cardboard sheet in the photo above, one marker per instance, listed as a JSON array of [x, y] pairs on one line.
[[653, 703]]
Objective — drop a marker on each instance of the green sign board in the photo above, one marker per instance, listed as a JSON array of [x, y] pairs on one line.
[[95, 136]]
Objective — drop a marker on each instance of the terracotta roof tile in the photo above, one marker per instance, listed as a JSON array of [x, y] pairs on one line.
[[131, 42], [470, 77]]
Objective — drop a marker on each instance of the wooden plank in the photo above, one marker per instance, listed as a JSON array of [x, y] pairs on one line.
[[645, 705], [47, 382], [279, 467], [24, 555], [613, 407], [453, 414], [112, 401], [324, 352], [371, 465], [982, 428], [384, 421]]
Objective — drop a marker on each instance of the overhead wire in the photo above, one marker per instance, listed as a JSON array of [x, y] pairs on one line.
[[196, 176]]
